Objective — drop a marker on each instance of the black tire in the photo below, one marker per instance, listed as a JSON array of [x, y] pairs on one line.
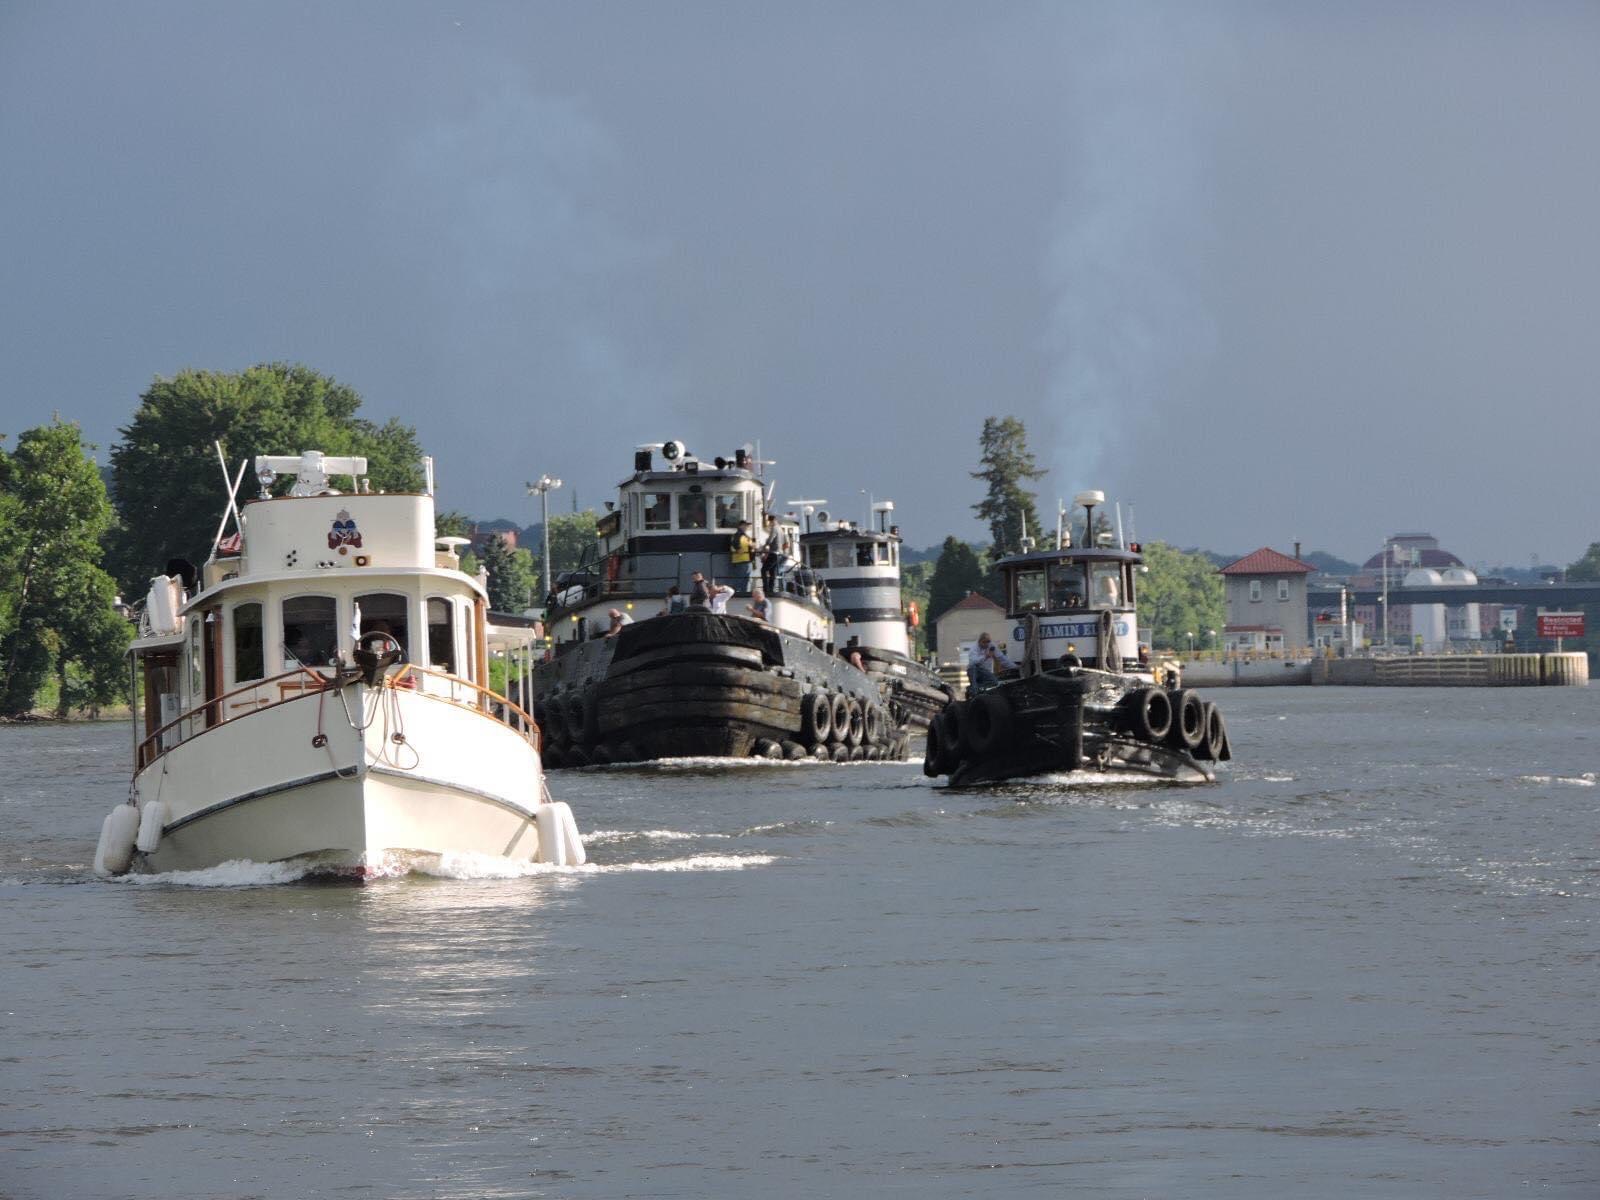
[[990, 727], [840, 753], [554, 721], [601, 755], [873, 719], [955, 725], [949, 744], [858, 753], [767, 748], [816, 718], [1188, 721], [792, 751], [841, 718], [1216, 739], [1148, 712], [931, 752], [855, 732]]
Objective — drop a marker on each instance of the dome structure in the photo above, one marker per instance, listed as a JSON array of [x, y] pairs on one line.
[[1422, 577], [1412, 550]]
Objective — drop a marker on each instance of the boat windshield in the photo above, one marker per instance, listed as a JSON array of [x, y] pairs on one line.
[[1067, 588], [1027, 589], [1107, 584]]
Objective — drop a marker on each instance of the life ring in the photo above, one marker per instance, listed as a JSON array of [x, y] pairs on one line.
[[1148, 713], [1188, 720], [816, 718], [989, 726]]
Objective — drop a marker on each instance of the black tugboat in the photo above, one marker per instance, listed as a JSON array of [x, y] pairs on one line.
[[1081, 695], [680, 678]]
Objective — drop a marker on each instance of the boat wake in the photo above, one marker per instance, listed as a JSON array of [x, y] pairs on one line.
[[242, 873]]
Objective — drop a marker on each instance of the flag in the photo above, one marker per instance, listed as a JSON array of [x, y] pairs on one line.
[[232, 544]]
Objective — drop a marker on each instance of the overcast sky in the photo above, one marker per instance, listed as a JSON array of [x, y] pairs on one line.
[[1267, 271]]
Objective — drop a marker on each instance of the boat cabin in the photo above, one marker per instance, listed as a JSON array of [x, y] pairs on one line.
[[281, 607], [668, 522], [860, 570]]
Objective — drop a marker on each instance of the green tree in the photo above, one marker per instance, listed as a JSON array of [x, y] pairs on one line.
[[165, 473], [1587, 568], [572, 541], [1007, 467], [1179, 593], [511, 575], [957, 572], [60, 615]]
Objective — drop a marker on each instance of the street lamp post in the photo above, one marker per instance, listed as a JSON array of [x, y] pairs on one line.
[[544, 485], [1190, 635]]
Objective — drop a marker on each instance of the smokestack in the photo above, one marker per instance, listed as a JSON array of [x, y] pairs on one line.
[[1297, 552]]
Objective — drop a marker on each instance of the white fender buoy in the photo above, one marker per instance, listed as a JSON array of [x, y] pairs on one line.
[[151, 819], [571, 842], [559, 843], [114, 854]]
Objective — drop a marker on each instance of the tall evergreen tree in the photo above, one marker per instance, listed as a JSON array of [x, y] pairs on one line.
[[511, 576], [59, 610], [1007, 467], [165, 474]]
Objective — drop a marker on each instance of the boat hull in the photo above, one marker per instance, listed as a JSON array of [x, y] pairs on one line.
[[346, 782], [1077, 720], [706, 685]]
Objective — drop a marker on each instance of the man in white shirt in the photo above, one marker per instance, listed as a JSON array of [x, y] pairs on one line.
[[719, 597], [982, 662]]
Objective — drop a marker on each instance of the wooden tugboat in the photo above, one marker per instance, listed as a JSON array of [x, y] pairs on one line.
[[679, 679], [1081, 696], [861, 570]]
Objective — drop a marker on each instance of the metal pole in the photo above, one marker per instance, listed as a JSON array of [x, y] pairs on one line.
[[544, 531]]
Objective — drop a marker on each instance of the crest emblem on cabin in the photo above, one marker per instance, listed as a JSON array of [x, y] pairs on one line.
[[344, 533]]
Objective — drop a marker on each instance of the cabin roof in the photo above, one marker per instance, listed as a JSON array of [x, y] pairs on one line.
[[1071, 554], [1266, 561], [972, 601]]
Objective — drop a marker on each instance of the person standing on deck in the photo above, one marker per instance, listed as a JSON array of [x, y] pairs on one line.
[[771, 555], [743, 554]]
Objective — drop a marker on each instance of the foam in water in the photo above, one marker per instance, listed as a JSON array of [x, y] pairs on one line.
[[1587, 779], [656, 835], [239, 872]]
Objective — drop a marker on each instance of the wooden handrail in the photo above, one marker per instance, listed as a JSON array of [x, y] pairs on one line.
[[313, 681]]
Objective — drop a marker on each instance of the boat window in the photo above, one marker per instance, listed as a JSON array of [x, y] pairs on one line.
[[692, 510], [817, 556], [385, 612], [1066, 585], [729, 511], [197, 675], [1027, 588], [310, 631], [441, 635], [657, 510], [863, 554], [1107, 583], [841, 554], [249, 652]]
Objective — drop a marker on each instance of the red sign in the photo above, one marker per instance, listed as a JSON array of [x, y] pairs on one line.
[[1561, 625]]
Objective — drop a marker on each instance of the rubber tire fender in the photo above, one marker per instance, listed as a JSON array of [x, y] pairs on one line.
[[955, 717], [816, 718], [855, 731], [583, 716], [1149, 714], [841, 717], [873, 724], [990, 727], [1216, 739], [1188, 720], [932, 751]]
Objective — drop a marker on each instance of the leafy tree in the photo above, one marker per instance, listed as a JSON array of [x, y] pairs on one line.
[[59, 602], [1181, 593], [572, 541], [1587, 568], [1007, 466], [511, 575], [957, 572], [165, 474]]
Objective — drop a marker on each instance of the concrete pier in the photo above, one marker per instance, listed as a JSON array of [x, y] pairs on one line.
[[1455, 670]]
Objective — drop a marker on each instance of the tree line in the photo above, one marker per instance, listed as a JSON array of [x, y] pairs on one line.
[[72, 535]]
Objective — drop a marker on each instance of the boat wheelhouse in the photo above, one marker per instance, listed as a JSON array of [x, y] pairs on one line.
[[320, 692], [1079, 692]]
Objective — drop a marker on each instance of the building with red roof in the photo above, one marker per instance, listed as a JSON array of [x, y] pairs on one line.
[[1266, 598]]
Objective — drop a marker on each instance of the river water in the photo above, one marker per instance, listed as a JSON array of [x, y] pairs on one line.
[[1362, 964]]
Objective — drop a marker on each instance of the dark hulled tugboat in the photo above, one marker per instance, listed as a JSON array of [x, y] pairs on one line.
[[678, 678], [1081, 696]]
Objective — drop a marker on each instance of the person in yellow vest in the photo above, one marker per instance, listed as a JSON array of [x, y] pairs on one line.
[[743, 555]]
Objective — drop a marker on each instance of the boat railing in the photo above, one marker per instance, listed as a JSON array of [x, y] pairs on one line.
[[792, 580], [260, 695]]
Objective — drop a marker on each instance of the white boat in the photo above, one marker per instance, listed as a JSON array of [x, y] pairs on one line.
[[319, 694]]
